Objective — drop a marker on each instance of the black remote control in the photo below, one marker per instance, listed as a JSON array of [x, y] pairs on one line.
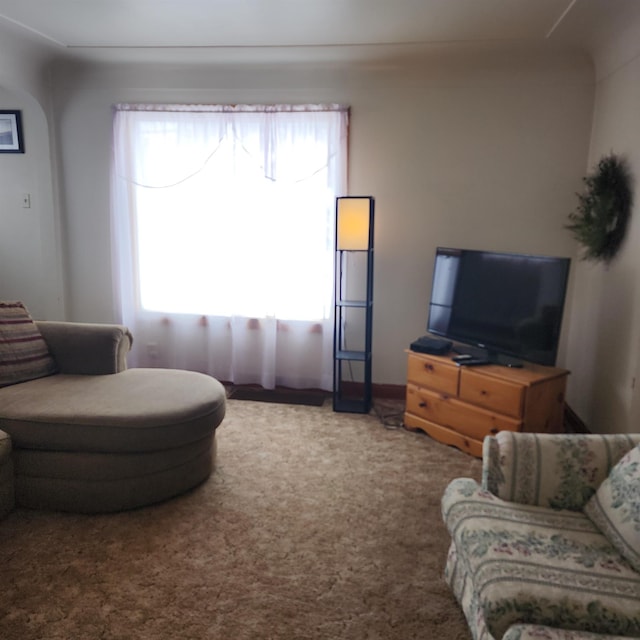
[[473, 362]]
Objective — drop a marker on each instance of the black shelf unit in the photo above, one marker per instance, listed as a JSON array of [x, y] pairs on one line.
[[350, 395]]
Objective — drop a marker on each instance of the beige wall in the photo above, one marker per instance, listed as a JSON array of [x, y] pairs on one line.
[[475, 149], [480, 148], [31, 266], [604, 352]]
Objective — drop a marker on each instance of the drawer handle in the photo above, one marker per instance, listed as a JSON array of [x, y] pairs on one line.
[[422, 404], [494, 431], [428, 367]]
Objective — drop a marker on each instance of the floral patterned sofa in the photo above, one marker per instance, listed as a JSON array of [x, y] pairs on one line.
[[549, 546]]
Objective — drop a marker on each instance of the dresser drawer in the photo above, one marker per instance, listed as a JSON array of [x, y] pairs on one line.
[[444, 435], [492, 393], [448, 412], [433, 374]]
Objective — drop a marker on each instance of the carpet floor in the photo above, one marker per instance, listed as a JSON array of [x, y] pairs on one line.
[[314, 525]]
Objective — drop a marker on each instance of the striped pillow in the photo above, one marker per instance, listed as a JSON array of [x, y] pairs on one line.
[[24, 354]]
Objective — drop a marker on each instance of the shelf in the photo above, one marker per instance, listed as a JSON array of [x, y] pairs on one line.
[[352, 384], [351, 355]]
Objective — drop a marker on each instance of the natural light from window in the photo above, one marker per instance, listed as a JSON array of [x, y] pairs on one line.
[[234, 218], [223, 224]]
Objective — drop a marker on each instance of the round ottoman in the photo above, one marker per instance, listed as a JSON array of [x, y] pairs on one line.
[[93, 444]]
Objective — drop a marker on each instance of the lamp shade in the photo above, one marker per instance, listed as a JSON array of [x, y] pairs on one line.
[[353, 223]]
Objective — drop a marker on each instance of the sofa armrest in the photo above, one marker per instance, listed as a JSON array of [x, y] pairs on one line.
[[539, 632], [561, 471], [87, 348]]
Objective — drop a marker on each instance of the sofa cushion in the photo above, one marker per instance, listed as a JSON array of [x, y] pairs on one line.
[[24, 354], [551, 470], [534, 565], [132, 411], [615, 507]]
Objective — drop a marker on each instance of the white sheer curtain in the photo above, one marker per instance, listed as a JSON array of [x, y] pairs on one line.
[[223, 231]]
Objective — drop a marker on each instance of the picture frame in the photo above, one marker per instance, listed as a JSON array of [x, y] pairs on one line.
[[11, 140]]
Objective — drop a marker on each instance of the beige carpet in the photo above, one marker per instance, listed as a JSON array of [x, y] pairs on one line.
[[315, 525]]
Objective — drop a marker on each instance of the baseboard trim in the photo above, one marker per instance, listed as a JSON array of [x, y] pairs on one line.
[[354, 389], [380, 391], [390, 391]]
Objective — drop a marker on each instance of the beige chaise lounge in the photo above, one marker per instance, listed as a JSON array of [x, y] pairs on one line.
[[98, 437]]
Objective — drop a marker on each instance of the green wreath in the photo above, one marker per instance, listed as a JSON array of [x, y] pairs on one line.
[[604, 208]]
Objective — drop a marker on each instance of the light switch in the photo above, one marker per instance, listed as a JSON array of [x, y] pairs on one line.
[[26, 201]]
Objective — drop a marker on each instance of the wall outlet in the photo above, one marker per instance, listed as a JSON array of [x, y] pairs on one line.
[[26, 201], [152, 349]]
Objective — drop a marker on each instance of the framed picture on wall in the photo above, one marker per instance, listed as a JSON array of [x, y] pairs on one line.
[[11, 132]]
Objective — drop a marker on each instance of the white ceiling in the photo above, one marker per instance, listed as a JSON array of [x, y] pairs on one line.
[[127, 29]]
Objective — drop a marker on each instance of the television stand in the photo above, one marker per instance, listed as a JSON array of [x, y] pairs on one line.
[[460, 405]]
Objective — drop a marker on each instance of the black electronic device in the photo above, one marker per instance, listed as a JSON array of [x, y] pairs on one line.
[[434, 346], [473, 362], [501, 305]]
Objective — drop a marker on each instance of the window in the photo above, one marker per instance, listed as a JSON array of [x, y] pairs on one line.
[[226, 212]]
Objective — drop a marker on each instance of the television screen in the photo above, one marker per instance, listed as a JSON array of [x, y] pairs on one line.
[[504, 303]]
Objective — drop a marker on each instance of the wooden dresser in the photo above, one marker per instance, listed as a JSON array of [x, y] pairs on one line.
[[459, 406]]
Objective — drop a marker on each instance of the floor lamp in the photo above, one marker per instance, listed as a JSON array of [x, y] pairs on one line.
[[353, 303]]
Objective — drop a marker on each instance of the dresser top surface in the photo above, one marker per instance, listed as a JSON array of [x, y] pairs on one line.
[[528, 374]]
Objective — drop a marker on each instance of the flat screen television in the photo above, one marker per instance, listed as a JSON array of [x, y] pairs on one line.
[[507, 307]]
